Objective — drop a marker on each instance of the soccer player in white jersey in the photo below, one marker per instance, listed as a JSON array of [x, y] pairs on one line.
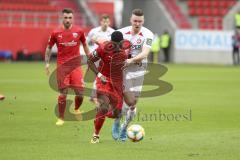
[[94, 36], [141, 40]]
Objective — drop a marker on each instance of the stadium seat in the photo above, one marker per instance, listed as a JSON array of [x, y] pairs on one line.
[[176, 13], [209, 8], [206, 12], [216, 12], [191, 3], [207, 3], [192, 11], [199, 11]]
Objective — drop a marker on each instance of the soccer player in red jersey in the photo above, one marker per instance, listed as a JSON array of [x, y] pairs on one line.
[[69, 75], [109, 79]]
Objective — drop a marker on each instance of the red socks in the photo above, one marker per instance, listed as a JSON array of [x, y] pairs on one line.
[[110, 114], [78, 102], [61, 105], [98, 122]]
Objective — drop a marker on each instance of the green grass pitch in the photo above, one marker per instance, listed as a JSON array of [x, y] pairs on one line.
[[207, 95]]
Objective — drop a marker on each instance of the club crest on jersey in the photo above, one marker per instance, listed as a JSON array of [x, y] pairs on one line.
[[149, 41], [75, 35], [139, 41]]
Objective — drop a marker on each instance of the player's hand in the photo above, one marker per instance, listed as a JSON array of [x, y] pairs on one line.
[[47, 69], [94, 39], [127, 63], [102, 78], [98, 40]]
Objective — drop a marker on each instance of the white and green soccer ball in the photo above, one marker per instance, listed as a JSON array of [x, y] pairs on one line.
[[135, 133]]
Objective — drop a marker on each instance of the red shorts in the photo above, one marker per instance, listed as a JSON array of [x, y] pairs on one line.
[[73, 80], [114, 92]]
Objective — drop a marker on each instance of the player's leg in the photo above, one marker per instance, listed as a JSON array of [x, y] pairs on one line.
[[128, 83], [93, 97], [130, 112], [76, 81], [61, 105], [116, 113], [238, 57], [78, 99], [102, 110], [234, 55], [133, 88]]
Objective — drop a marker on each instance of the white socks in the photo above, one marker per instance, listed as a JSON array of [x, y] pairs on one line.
[[128, 113], [129, 116]]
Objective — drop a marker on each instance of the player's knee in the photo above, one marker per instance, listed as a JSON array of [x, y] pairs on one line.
[[62, 98], [78, 92], [116, 113], [133, 108], [103, 105], [131, 102], [79, 97]]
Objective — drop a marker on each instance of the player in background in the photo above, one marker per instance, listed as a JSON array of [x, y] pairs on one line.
[[141, 41], [104, 31], [67, 38], [109, 80]]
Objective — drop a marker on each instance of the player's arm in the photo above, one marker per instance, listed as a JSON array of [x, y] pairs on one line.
[[48, 53], [85, 45], [137, 59], [89, 37], [91, 59], [91, 64], [145, 50], [86, 49]]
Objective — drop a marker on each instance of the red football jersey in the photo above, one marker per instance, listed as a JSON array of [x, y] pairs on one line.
[[112, 62], [68, 42]]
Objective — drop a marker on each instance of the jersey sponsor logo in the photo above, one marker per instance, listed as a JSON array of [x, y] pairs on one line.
[[139, 41], [149, 41], [59, 36], [136, 47], [75, 35], [69, 44]]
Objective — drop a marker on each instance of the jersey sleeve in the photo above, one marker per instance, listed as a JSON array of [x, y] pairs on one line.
[[148, 40], [52, 39], [97, 54], [89, 36], [83, 38]]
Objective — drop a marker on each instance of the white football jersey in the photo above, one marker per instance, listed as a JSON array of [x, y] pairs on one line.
[[97, 32], [143, 38]]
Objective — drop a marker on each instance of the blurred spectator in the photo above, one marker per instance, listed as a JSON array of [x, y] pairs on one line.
[[237, 19], [155, 48], [5, 55], [236, 45], [165, 44], [22, 54]]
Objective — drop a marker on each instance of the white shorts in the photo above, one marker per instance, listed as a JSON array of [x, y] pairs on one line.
[[134, 84]]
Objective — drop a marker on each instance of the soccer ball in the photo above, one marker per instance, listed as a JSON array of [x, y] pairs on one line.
[[135, 133]]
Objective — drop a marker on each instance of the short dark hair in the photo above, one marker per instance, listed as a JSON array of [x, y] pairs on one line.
[[117, 36], [104, 16], [67, 10], [137, 12]]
